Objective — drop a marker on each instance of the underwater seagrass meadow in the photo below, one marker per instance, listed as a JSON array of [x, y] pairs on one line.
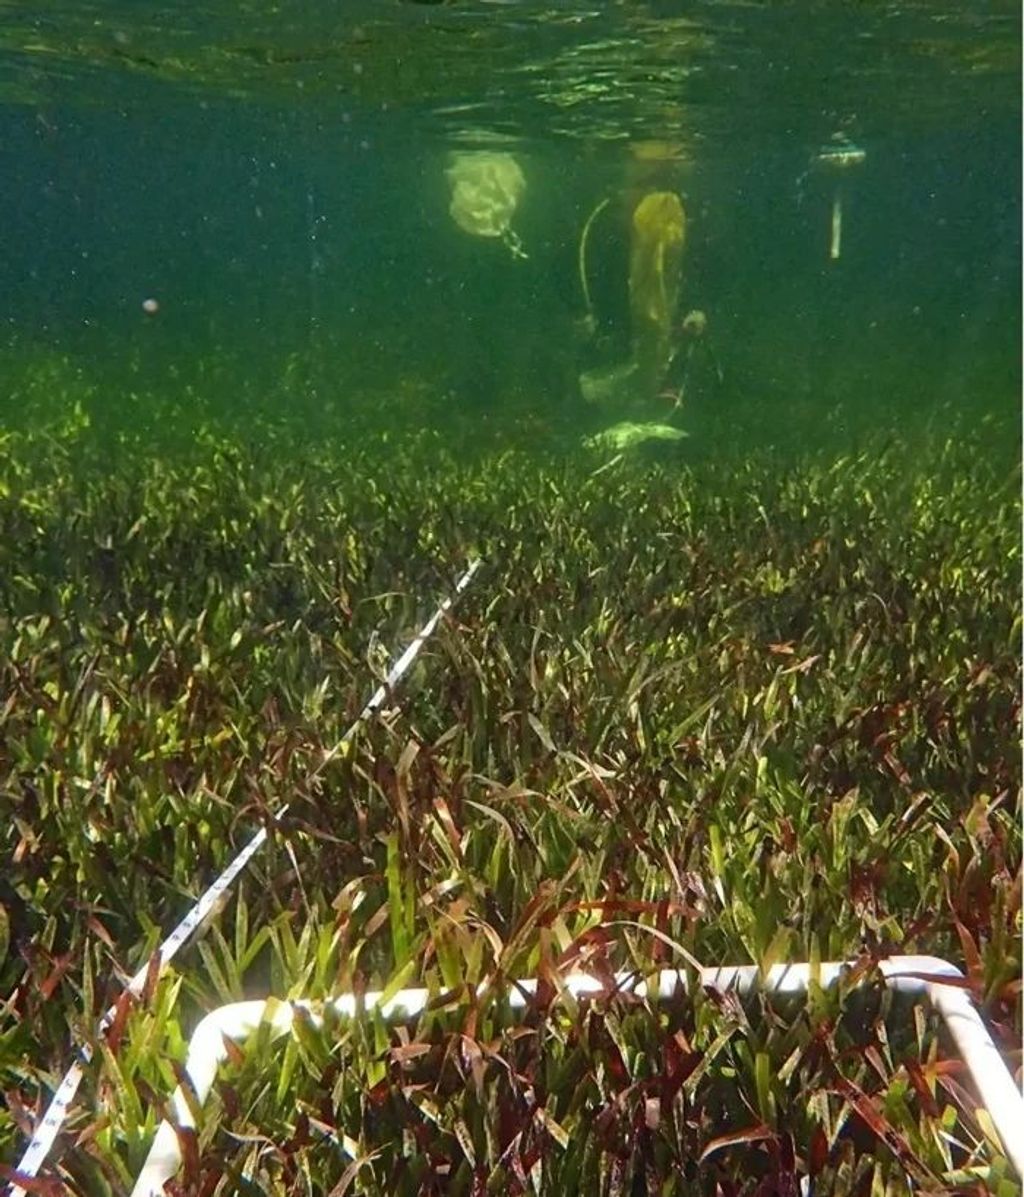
[[698, 327]]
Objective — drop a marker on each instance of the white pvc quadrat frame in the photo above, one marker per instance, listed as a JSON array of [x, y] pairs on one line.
[[922, 977]]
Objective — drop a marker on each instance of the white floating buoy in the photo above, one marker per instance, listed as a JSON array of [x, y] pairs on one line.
[[838, 157]]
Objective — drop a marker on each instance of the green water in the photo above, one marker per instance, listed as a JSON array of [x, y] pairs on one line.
[[275, 180]]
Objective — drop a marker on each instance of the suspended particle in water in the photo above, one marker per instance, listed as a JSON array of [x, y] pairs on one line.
[[151, 306]]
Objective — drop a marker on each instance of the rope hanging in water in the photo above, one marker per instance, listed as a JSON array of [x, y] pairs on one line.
[[582, 258]]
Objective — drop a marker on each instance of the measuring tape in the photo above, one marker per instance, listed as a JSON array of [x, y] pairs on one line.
[[41, 1143]]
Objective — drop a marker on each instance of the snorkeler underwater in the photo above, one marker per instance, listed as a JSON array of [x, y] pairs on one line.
[[640, 398]]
